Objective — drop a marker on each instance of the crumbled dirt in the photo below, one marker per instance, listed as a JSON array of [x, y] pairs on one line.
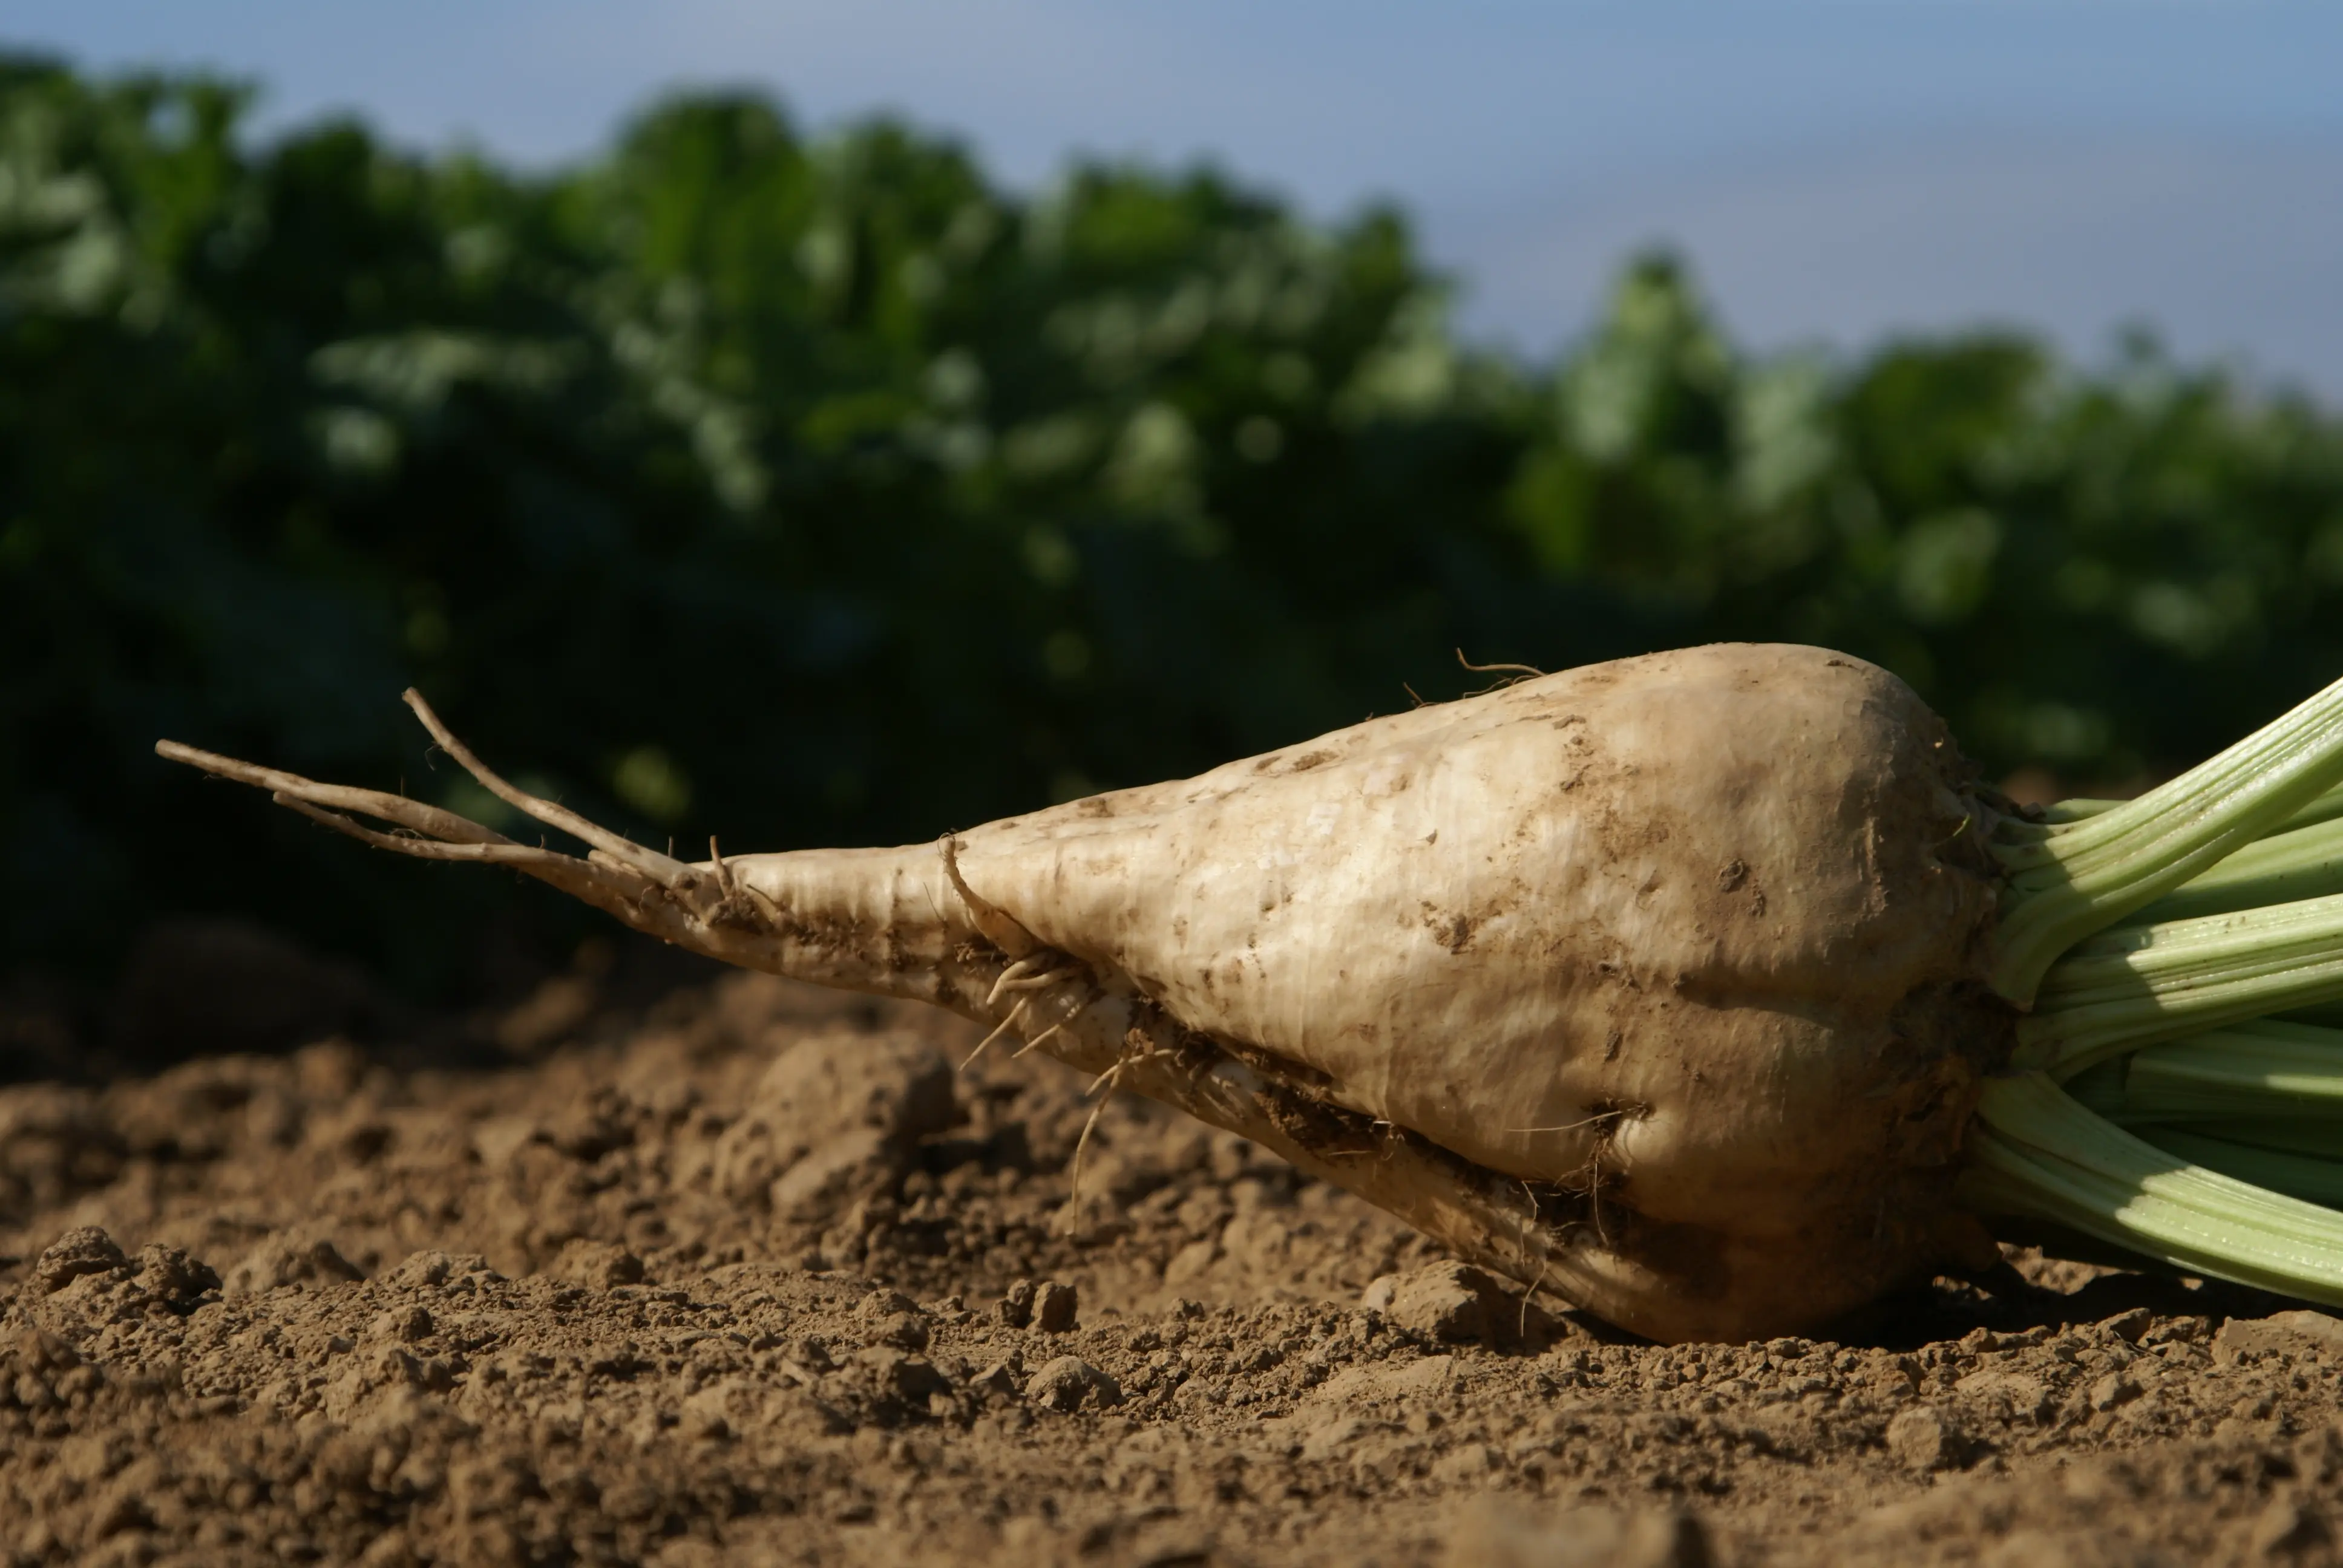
[[758, 1276]]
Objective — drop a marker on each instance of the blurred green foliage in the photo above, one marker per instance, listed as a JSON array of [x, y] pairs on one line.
[[816, 490]]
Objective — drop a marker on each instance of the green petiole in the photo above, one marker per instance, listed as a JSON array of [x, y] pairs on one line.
[[2325, 809], [2282, 868], [2137, 985], [2296, 1175], [2067, 880], [2039, 1153], [2261, 1101], [2194, 1127], [2261, 1068]]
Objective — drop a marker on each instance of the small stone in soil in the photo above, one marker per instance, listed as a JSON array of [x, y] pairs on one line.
[[1922, 1440], [1016, 1304], [1065, 1383], [85, 1250], [1452, 1302], [1054, 1306], [2112, 1391]]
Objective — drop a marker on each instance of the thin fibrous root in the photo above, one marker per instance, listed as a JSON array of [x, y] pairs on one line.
[[1010, 975], [999, 928], [998, 1030], [1110, 1081], [1028, 974], [738, 905], [733, 889], [1031, 982], [1528, 669], [615, 883], [666, 871], [505, 853], [1021, 976], [415, 815], [1514, 675], [1521, 1330], [1035, 1043]]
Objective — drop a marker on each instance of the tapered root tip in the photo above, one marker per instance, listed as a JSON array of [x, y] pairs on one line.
[[667, 872], [648, 891]]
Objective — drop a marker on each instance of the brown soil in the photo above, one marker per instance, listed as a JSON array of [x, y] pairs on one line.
[[756, 1276]]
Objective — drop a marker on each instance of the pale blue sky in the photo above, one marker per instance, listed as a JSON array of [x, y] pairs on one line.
[[1837, 169]]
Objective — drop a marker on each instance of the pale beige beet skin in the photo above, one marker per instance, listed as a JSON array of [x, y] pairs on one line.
[[1658, 983]]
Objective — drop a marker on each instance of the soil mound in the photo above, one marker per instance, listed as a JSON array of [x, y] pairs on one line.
[[762, 1275]]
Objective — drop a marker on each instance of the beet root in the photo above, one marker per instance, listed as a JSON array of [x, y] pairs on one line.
[[1659, 985]]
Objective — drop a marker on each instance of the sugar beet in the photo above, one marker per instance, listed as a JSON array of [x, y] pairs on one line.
[[1658, 984]]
